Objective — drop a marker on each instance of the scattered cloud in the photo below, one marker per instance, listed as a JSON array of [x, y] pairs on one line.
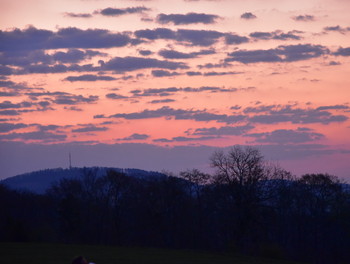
[[42, 136], [334, 63], [7, 127], [189, 18], [9, 94], [147, 19], [135, 136], [172, 90], [248, 16], [179, 114], [193, 73], [89, 78], [120, 64], [276, 35], [23, 107], [288, 53], [145, 52], [174, 44], [336, 29], [89, 128], [162, 101], [342, 52], [333, 107], [63, 98], [115, 96], [4, 70], [162, 73], [173, 54], [77, 15], [48, 127], [286, 136], [73, 108], [75, 55], [57, 68], [233, 39], [158, 113], [273, 114], [32, 38], [183, 139], [8, 119], [156, 91], [304, 18], [214, 65], [70, 99], [199, 37], [10, 105], [296, 151], [39, 60], [203, 38], [9, 113], [212, 89], [213, 73], [99, 116], [223, 131], [153, 34], [24, 58], [122, 11]]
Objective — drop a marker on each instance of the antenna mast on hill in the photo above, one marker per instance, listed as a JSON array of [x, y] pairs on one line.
[[70, 161]]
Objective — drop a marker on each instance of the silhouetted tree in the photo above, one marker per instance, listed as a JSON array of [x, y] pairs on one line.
[[247, 178], [318, 198], [248, 205], [196, 184]]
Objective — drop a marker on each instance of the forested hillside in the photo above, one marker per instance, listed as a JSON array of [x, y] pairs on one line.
[[248, 206]]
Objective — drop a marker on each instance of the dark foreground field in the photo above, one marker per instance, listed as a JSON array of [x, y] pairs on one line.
[[18, 253]]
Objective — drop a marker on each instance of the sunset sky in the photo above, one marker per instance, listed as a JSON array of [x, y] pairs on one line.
[[160, 85]]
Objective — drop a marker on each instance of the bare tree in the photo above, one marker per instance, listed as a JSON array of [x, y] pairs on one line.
[[241, 165], [243, 174], [196, 179]]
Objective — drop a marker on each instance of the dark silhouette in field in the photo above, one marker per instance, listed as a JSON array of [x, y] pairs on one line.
[[80, 260], [247, 206]]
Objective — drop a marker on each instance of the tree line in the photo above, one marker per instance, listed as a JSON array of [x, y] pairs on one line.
[[247, 206]]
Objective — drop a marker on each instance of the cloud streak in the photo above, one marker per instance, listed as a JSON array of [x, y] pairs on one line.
[[286, 136], [204, 38], [179, 114], [288, 53], [120, 64], [89, 128], [248, 16], [186, 19], [89, 78], [114, 12], [135, 137], [78, 15], [32, 38], [304, 18], [223, 131], [273, 114], [276, 35]]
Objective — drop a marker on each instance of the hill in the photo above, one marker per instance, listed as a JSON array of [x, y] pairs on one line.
[[40, 181], [58, 253]]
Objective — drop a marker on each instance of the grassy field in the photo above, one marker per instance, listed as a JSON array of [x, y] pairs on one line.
[[16, 253]]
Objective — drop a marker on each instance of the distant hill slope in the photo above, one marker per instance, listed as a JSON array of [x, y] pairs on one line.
[[31, 253], [40, 181]]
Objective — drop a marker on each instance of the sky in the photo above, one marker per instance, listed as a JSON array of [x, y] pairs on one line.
[[160, 85]]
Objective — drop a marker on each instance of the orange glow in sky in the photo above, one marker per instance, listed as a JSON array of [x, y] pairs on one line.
[[272, 74]]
